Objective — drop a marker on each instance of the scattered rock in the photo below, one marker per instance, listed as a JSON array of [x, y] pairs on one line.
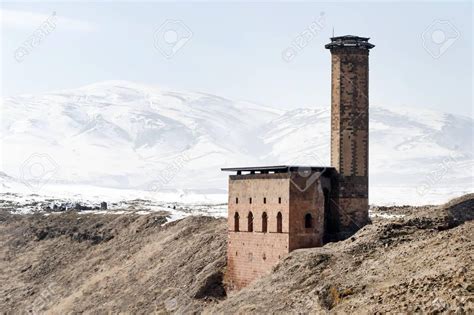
[[418, 263]]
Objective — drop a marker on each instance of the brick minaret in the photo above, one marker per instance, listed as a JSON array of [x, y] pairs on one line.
[[350, 128]]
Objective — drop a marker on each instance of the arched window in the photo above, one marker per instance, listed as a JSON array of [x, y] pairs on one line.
[[264, 222], [308, 221], [279, 222], [250, 222], [236, 222]]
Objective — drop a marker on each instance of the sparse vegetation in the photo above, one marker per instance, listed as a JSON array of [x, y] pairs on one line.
[[62, 262]]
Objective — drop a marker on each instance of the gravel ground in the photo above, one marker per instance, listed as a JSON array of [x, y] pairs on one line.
[[410, 259]]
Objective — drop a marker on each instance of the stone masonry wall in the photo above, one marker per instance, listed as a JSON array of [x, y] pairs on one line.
[[306, 197], [253, 254], [349, 134]]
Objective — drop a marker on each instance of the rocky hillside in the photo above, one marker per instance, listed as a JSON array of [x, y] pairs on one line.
[[420, 261], [109, 263]]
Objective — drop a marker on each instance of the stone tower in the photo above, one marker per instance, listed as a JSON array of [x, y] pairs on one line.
[[349, 129], [273, 210]]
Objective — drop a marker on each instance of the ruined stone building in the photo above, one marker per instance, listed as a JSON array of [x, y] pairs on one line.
[[273, 210]]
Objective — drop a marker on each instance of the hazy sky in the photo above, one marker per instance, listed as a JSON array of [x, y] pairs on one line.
[[422, 58]]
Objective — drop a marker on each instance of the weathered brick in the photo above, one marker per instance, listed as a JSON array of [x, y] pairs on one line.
[[317, 206]]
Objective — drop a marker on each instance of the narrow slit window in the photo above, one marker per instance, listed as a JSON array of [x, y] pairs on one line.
[[250, 222], [250, 200], [236, 222], [279, 199], [264, 222], [264, 200], [308, 221], [279, 223], [236, 199]]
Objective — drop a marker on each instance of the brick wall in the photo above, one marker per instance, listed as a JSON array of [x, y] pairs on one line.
[[253, 254], [349, 134], [354, 216], [273, 187], [306, 197]]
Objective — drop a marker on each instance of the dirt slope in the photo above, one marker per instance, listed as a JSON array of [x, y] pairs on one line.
[[422, 262], [130, 263], [98, 263]]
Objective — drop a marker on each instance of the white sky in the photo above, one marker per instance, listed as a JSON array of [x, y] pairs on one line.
[[235, 49]]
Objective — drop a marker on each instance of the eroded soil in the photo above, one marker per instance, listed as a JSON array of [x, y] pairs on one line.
[[408, 260]]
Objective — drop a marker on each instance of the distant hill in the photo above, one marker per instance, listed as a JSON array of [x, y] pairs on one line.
[[126, 135]]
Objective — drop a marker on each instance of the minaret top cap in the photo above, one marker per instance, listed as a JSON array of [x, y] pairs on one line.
[[349, 41]]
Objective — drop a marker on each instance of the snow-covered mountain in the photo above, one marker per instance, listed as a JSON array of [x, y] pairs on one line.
[[122, 134]]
